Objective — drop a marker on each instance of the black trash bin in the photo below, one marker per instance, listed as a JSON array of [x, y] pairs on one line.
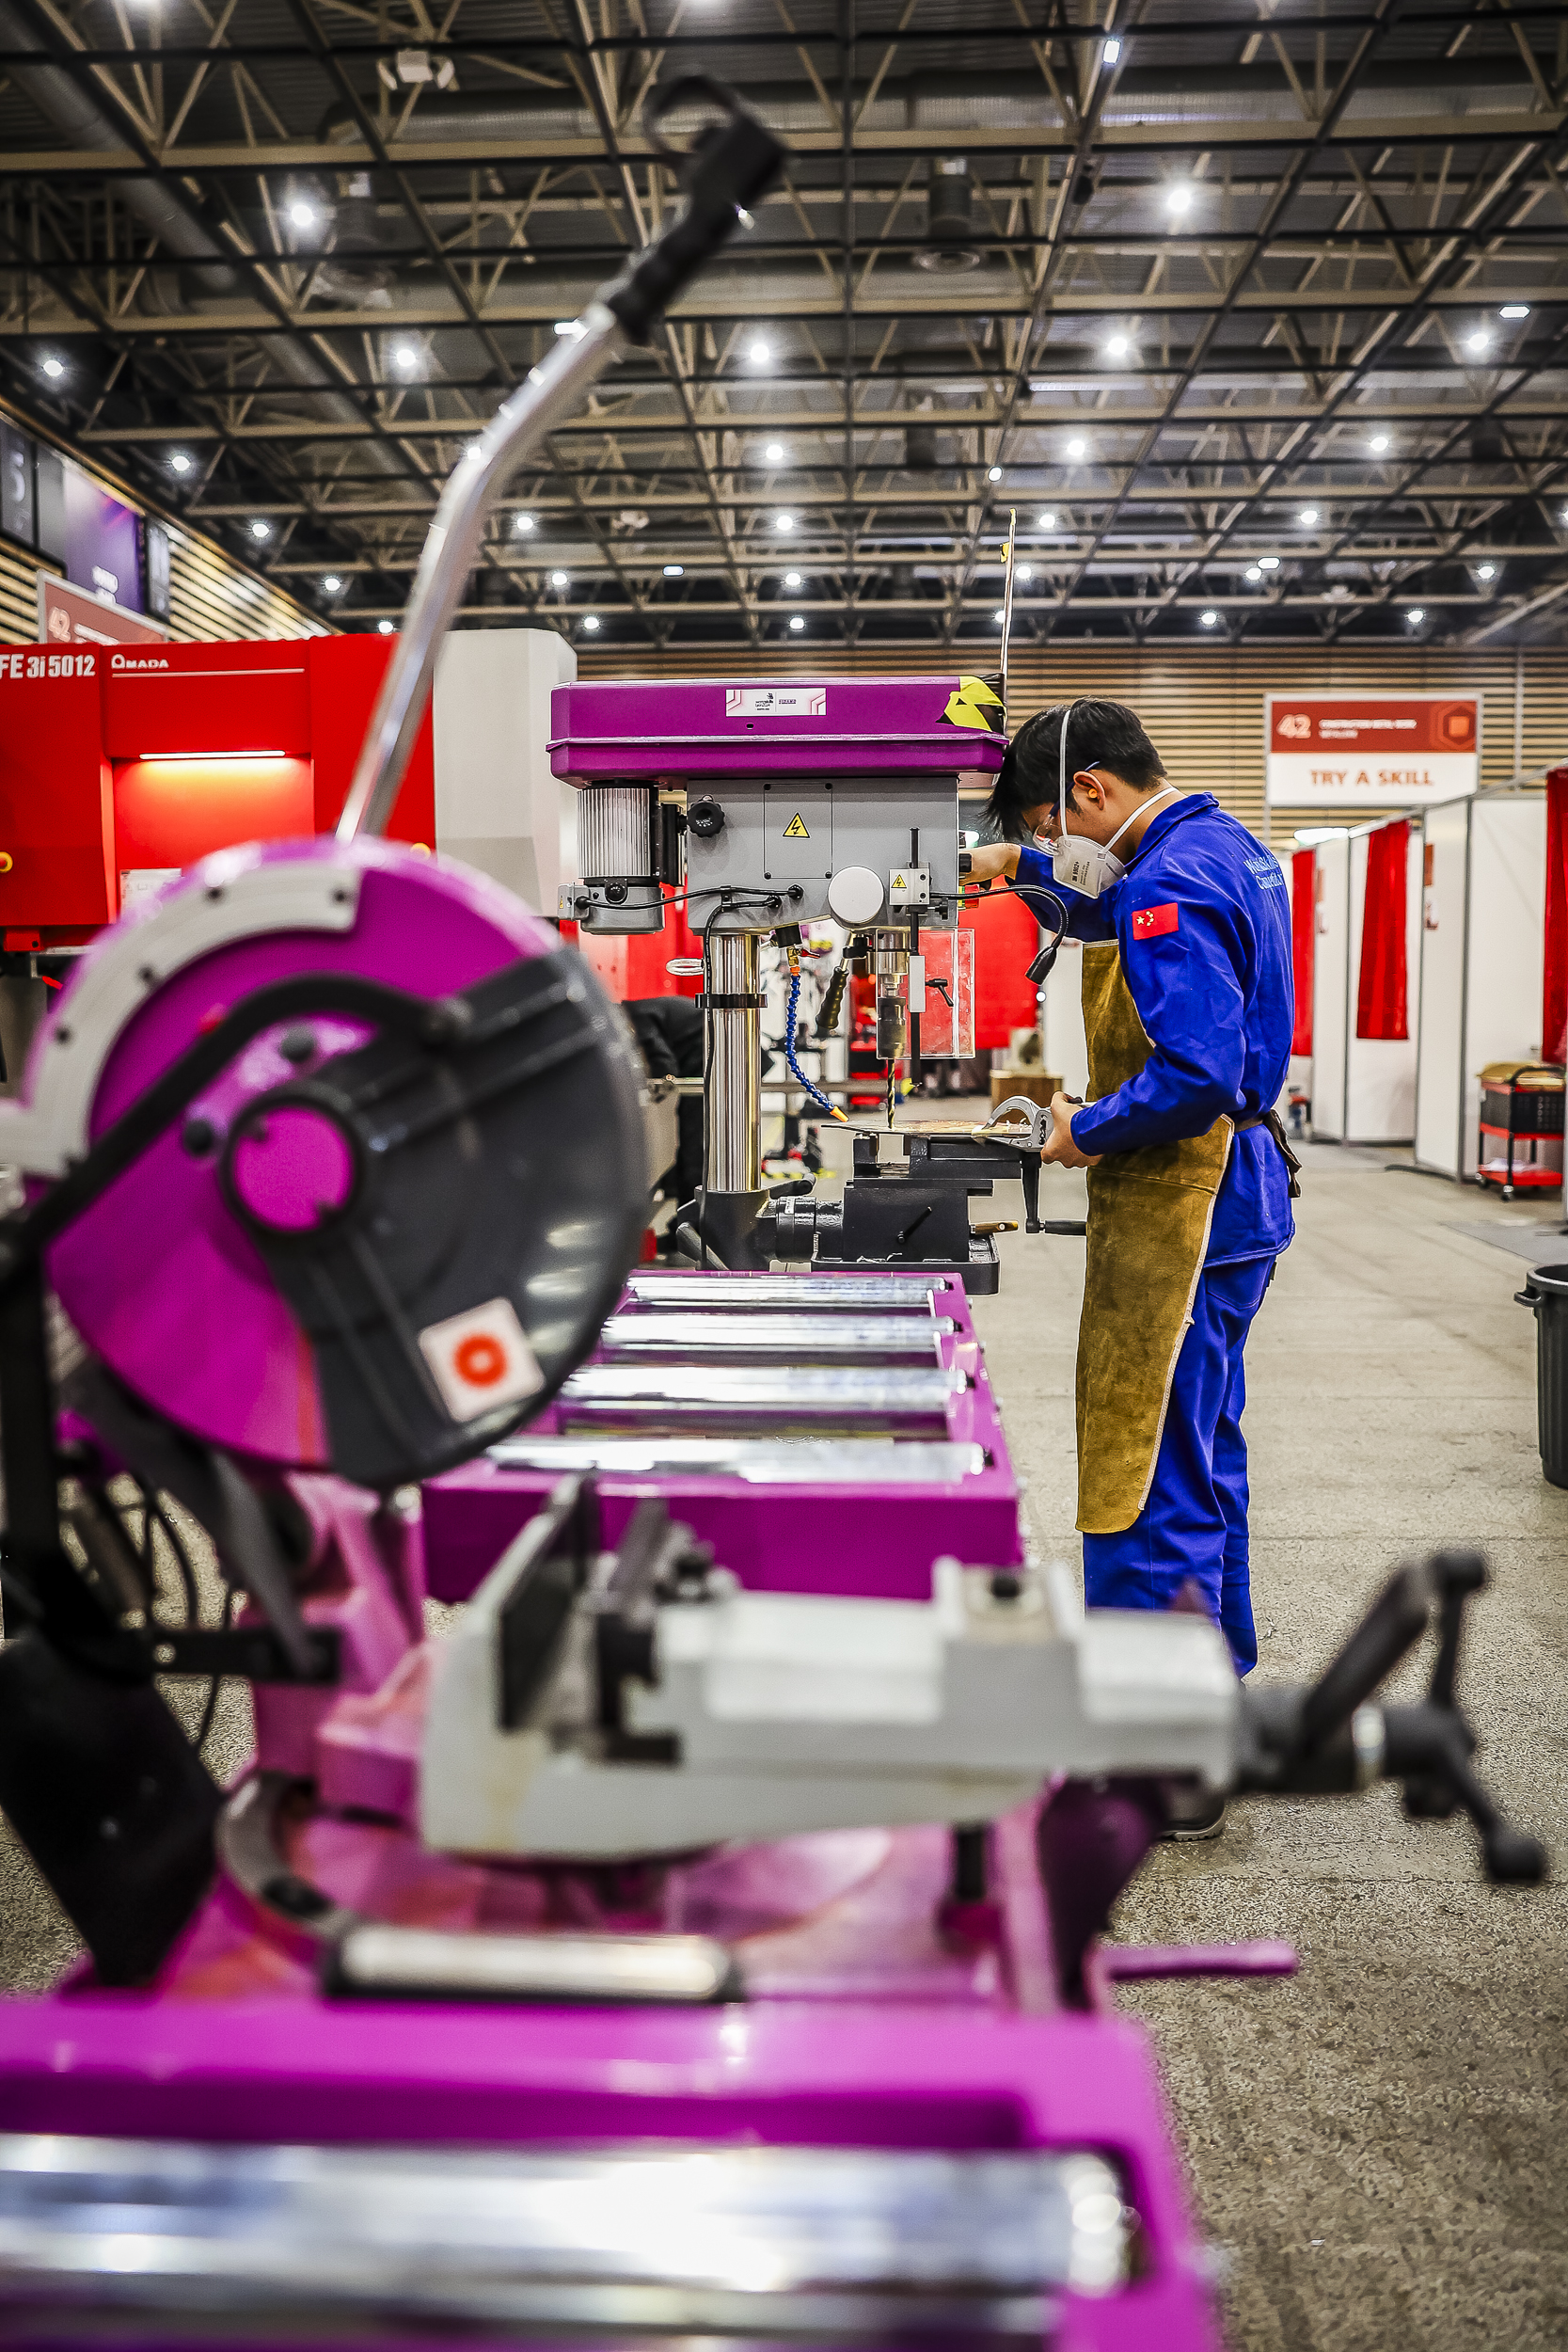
[[1545, 1293]]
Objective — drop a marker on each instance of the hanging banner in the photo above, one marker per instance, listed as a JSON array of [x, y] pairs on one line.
[[1369, 751], [70, 616]]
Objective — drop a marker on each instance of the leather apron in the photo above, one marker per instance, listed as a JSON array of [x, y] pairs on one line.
[[1149, 1215]]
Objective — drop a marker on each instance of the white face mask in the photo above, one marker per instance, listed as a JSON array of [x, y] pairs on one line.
[[1078, 864]]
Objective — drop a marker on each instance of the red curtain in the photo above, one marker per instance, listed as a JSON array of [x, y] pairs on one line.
[[1381, 1005], [1303, 938], [1554, 1009]]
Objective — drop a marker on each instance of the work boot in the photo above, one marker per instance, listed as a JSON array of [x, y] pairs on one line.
[[1192, 1814]]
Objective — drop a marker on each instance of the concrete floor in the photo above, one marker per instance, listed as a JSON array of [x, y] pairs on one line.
[[1376, 2145]]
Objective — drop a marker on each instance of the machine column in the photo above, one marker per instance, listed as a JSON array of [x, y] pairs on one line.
[[731, 1113]]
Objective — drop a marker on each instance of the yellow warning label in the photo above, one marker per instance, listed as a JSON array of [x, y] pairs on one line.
[[898, 882], [794, 829], [973, 704]]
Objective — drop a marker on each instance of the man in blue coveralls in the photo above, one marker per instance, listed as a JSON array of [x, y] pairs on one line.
[[1188, 1005]]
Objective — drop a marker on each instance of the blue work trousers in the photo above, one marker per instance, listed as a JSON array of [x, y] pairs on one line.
[[1194, 1523]]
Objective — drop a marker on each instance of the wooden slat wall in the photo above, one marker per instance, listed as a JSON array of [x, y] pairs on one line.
[[19, 596], [1203, 708]]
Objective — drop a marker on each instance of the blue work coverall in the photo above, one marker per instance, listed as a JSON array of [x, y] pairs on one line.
[[1209, 968]]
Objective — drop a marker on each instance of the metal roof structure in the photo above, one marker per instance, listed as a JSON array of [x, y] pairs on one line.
[[1256, 313]]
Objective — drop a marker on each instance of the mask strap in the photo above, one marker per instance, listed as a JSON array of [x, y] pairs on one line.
[[1162, 795], [1061, 768]]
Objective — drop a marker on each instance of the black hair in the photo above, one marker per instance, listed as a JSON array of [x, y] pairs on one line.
[[1099, 735]]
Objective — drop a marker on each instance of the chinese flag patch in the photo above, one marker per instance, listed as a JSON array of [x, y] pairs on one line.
[[1154, 922]]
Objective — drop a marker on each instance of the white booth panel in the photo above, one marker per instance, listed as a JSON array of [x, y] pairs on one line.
[[497, 806], [1506, 938], [1440, 1024], [1380, 1071], [1330, 993]]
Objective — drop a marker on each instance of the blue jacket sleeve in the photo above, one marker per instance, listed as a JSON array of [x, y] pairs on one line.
[[1189, 984], [1086, 918]]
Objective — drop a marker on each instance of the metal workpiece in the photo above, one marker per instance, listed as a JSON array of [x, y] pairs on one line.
[[728, 2241], [879, 1462], [730, 1396], [832, 1294], [761, 1336]]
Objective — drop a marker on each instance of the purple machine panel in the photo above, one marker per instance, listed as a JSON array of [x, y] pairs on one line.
[[669, 729], [839, 1439]]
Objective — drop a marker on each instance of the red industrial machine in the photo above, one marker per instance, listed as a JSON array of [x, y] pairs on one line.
[[120, 765]]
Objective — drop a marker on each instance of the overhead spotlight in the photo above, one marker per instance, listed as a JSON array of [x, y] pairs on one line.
[[261, 530], [1563, 517], [1515, 310], [1179, 198], [1415, 615], [1208, 620], [303, 215], [590, 622], [573, 329], [1077, 447], [474, 452], [181, 463], [332, 583], [385, 628], [999, 615], [1047, 521], [1481, 340], [1252, 572], [776, 454], [406, 358], [796, 622], [1378, 443], [561, 579], [1309, 516], [54, 368], [1110, 52], [993, 473], [1486, 571], [1025, 572], [1268, 562], [674, 571], [524, 523], [783, 522], [792, 579], [1118, 347], [760, 352]]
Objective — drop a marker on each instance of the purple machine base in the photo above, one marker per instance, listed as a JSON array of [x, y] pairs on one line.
[[877, 1536]]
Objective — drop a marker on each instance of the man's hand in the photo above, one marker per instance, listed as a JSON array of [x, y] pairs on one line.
[[993, 860], [1060, 1151]]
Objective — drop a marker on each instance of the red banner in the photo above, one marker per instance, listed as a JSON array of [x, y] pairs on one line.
[[1381, 1005], [1304, 942]]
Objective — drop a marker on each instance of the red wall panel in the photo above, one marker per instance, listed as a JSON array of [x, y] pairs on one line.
[[233, 696], [345, 678], [55, 794]]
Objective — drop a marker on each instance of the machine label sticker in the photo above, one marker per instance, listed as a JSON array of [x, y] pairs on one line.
[[796, 830], [975, 704], [1154, 922], [775, 702], [481, 1359], [21, 665]]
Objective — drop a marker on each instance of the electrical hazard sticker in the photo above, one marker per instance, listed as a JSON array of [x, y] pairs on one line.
[[481, 1359], [796, 829], [1154, 922]]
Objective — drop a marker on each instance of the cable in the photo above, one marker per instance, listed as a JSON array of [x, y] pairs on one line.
[[795, 1070]]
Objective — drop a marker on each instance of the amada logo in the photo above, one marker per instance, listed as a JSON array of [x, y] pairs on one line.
[[133, 662]]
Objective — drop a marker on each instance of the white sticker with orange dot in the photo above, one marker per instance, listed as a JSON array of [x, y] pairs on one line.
[[481, 1359]]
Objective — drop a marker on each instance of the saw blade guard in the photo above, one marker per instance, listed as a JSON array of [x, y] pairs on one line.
[[389, 1225]]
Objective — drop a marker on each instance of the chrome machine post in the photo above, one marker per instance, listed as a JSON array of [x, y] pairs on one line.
[[732, 1125]]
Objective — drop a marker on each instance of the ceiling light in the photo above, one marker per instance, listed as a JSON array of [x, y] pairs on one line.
[[54, 368], [783, 522], [1047, 520], [760, 352], [1178, 197], [1480, 341], [1515, 310], [261, 530], [302, 214], [1378, 443], [181, 463], [792, 579], [384, 628], [524, 523], [405, 357], [1077, 447], [573, 329], [993, 473], [674, 571], [1000, 613], [473, 450], [1117, 348], [1025, 571], [332, 583], [1486, 571], [1209, 620], [1415, 615], [776, 454], [1252, 572], [796, 622], [561, 579], [1268, 562], [1111, 53], [591, 621], [1309, 516]]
